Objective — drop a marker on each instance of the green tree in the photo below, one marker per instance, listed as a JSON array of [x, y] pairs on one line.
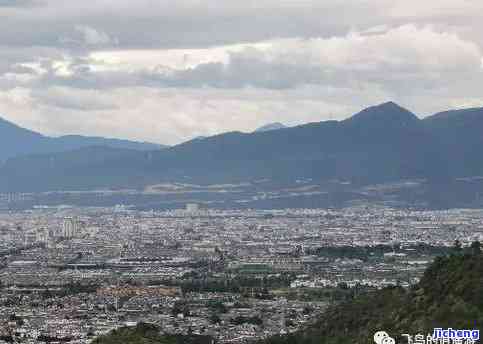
[[457, 246], [476, 247], [215, 319]]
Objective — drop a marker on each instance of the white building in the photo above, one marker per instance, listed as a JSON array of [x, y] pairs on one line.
[[192, 207], [70, 227]]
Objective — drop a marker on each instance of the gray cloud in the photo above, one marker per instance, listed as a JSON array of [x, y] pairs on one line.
[[185, 23], [242, 64], [390, 59], [19, 3], [86, 36]]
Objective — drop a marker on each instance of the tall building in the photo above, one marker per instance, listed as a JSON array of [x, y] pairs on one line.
[[70, 227], [42, 235]]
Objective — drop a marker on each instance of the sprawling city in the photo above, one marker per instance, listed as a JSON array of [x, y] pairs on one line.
[[72, 274], [241, 172]]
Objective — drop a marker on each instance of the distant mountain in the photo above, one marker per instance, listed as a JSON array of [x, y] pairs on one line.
[[384, 116], [84, 168], [76, 141], [270, 126], [17, 141], [460, 134], [383, 143]]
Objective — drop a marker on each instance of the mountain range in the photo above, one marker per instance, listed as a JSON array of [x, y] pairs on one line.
[[17, 141], [380, 144]]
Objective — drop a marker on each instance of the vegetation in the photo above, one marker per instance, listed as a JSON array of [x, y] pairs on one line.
[[450, 294], [366, 253], [247, 320], [342, 292], [147, 334]]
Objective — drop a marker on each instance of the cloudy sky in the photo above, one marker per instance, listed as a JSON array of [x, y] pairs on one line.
[[166, 71]]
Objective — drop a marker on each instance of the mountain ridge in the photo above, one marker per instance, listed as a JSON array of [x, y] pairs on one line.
[[379, 144], [21, 141], [270, 126]]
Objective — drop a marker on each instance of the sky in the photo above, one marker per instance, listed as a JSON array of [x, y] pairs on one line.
[[167, 71]]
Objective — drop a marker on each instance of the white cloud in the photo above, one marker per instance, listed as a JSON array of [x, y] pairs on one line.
[[166, 71], [92, 36], [86, 36], [392, 57], [69, 99], [402, 48]]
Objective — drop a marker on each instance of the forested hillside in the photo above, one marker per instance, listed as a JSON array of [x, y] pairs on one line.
[[449, 295]]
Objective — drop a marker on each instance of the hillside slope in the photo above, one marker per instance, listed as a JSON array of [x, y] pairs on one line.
[[459, 133], [16, 141], [449, 295]]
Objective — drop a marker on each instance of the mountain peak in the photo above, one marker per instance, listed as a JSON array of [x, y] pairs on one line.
[[389, 104], [270, 126], [384, 113]]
